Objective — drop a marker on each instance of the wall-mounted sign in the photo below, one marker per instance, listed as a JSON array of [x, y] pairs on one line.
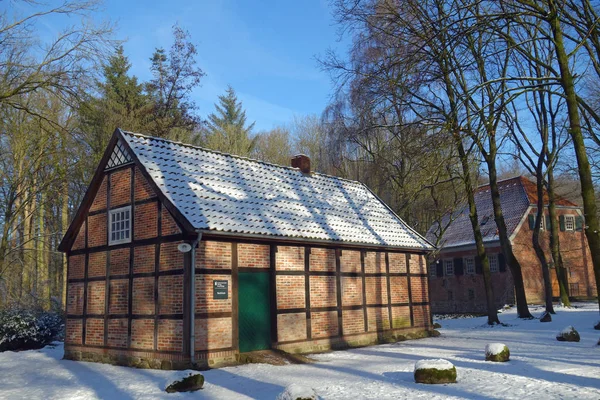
[[220, 289], [184, 247]]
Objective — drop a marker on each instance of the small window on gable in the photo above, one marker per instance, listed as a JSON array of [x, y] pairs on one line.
[[493, 258], [119, 156], [449, 267], [119, 225], [569, 222], [432, 270], [469, 265]]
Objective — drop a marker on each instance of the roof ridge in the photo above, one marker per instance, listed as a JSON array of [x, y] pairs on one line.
[[234, 155], [503, 180]]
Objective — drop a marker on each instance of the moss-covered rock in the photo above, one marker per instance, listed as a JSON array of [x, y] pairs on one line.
[[190, 383], [434, 372], [436, 326], [546, 317], [497, 352], [569, 334]]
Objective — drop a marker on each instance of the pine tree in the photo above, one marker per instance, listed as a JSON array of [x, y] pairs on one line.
[[120, 102], [226, 130]]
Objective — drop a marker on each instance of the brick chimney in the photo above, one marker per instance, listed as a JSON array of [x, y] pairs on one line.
[[301, 162]]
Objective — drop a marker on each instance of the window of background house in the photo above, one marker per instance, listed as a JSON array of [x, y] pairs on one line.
[[471, 294], [449, 267], [469, 265], [493, 262], [119, 225], [569, 222], [450, 295], [433, 270]]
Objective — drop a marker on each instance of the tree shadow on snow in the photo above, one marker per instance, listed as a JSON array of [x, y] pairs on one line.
[[519, 368], [404, 379]]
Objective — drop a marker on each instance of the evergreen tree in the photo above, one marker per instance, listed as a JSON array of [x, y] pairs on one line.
[[120, 102], [226, 130]]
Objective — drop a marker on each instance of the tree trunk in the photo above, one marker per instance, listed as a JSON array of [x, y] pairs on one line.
[[64, 227], [539, 251], [559, 268], [492, 312], [592, 224], [511, 260]]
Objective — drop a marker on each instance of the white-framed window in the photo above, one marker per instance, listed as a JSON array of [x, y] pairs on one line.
[[449, 267], [493, 258], [469, 265], [569, 222], [119, 225]]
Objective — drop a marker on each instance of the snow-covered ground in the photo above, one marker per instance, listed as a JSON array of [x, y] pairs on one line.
[[540, 368]]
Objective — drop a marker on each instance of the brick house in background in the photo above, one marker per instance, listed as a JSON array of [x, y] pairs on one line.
[[456, 281], [180, 256]]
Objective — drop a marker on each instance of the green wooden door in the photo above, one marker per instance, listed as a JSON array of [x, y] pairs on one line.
[[254, 311]]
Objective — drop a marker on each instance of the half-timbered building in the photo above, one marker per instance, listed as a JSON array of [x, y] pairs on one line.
[[180, 256]]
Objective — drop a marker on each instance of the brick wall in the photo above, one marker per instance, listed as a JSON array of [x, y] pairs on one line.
[[168, 224], [97, 230], [142, 334], [97, 264], [291, 327], [465, 293], [324, 324], [96, 297], [76, 267], [143, 296], [213, 255], [323, 291], [376, 290], [289, 258], [146, 222], [351, 291], [353, 321], [120, 187], [253, 256], [290, 292], [350, 261], [99, 202], [94, 332], [213, 333], [142, 188], [170, 335], [322, 259], [374, 262], [397, 262], [170, 294], [119, 262], [378, 318], [204, 294]]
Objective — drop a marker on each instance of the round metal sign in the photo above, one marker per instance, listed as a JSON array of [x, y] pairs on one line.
[[184, 247]]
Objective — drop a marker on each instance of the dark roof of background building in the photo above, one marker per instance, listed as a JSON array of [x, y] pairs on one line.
[[516, 195]]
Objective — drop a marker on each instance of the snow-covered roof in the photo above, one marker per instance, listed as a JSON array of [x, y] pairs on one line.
[[221, 192]]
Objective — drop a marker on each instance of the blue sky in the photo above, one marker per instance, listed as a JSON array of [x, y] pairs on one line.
[[264, 49]]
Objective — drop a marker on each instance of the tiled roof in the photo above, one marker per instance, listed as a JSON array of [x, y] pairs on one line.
[[516, 195], [221, 192]]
